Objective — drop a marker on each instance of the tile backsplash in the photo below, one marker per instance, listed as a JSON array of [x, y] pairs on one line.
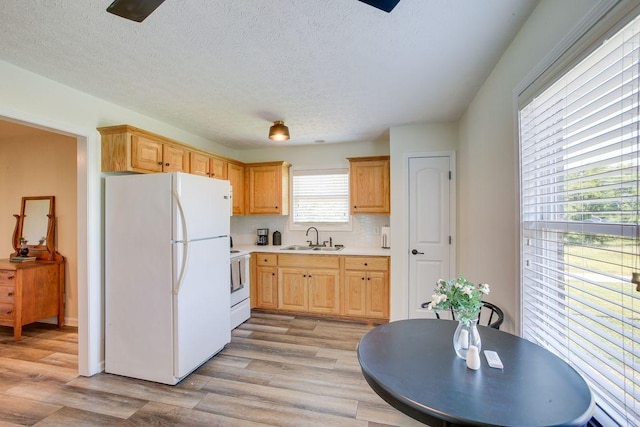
[[365, 231]]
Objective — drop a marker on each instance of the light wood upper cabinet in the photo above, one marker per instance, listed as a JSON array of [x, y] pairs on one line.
[[235, 175], [267, 188], [369, 185], [203, 165], [146, 154], [154, 156], [126, 148], [174, 159], [199, 164], [218, 168]]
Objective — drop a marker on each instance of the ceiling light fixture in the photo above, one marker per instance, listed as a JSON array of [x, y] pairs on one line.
[[278, 132]]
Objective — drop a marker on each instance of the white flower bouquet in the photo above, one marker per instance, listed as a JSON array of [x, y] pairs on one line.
[[461, 296]]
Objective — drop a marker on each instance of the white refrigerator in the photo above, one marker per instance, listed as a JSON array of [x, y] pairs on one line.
[[167, 298]]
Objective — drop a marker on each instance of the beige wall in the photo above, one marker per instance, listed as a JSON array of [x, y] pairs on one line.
[[38, 163]]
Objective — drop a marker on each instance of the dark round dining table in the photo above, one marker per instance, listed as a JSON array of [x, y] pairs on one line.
[[412, 365]]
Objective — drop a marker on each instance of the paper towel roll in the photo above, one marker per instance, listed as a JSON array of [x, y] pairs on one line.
[[385, 237]]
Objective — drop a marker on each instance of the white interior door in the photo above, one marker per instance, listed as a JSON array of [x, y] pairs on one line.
[[430, 228]]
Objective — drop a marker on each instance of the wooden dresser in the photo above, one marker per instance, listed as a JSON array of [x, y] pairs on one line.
[[30, 291]]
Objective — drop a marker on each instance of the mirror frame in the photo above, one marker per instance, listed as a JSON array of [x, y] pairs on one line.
[[41, 252]]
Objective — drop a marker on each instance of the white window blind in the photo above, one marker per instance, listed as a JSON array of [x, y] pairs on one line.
[[579, 222], [320, 196]]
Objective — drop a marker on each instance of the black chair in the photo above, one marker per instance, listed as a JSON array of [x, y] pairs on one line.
[[487, 309]]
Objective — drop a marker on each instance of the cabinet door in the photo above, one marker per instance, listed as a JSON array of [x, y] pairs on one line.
[[265, 190], [377, 295], [292, 289], [324, 291], [369, 185], [218, 168], [146, 154], [355, 289], [175, 159], [235, 174], [266, 287], [199, 164]]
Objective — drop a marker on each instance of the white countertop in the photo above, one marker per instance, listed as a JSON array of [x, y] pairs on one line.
[[369, 251]]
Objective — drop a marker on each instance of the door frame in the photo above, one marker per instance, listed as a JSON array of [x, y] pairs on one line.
[[90, 330], [452, 217]]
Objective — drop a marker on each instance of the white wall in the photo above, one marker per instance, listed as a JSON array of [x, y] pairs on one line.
[[431, 137], [488, 245]]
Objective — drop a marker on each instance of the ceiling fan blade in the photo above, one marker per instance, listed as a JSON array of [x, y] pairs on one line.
[[386, 5], [135, 10]]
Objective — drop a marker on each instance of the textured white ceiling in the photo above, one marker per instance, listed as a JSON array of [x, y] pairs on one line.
[[333, 70]]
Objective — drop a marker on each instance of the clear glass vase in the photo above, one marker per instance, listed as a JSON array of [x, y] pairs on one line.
[[466, 335]]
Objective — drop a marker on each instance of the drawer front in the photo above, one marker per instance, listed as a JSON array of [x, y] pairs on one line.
[[6, 293], [266, 259], [366, 263], [309, 261], [6, 311], [7, 277]]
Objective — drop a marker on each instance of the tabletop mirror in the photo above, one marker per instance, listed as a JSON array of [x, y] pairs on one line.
[[35, 228]]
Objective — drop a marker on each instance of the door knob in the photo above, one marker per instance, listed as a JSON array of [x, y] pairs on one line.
[[415, 252]]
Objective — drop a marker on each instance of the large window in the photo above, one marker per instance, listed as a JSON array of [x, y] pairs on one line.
[[320, 196], [579, 163]]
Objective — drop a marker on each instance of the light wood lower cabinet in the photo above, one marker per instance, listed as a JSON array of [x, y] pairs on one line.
[[366, 294], [266, 281], [346, 286], [312, 290], [366, 287]]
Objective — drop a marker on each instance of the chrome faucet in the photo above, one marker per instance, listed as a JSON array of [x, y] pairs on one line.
[[317, 237]]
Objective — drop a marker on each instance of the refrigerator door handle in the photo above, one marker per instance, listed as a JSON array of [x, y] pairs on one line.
[[185, 252]]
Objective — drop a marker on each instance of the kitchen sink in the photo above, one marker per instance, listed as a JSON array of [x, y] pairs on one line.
[[311, 248], [296, 248]]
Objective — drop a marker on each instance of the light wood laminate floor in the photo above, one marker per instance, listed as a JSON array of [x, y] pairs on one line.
[[277, 371]]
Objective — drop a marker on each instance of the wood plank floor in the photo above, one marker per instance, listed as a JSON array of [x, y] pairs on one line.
[[277, 371]]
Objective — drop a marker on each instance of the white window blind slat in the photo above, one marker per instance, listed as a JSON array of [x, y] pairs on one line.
[[580, 221], [320, 196]]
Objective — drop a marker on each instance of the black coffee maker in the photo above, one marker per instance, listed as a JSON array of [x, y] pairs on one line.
[[263, 237]]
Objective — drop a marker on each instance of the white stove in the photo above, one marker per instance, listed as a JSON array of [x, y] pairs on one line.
[[240, 303]]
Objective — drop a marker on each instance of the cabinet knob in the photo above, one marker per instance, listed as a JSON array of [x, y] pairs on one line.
[[273, 274], [368, 278], [276, 207], [166, 164], [366, 264], [10, 294], [362, 278], [160, 163]]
